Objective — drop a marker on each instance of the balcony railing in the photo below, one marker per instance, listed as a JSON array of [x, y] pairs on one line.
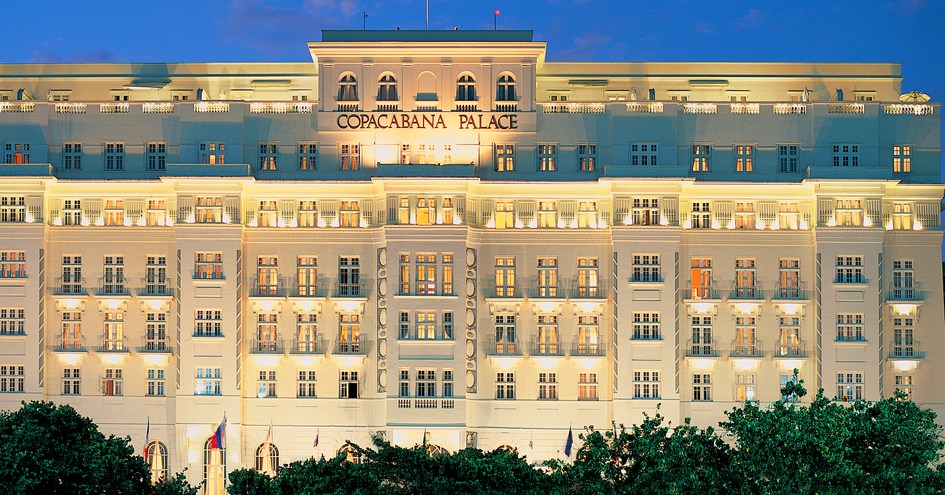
[[508, 291], [258, 289], [746, 349], [555, 291], [211, 107], [426, 289], [542, 348], [108, 344], [699, 292], [115, 107], [701, 348], [265, 346], [281, 107], [495, 347], [388, 106], [318, 289], [855, 108], [645, 107], [70, 287], [905, 348], [17, 107], [646, 278], [351, 348], [790, 350], [355, 290], [156, 287], [70, 345], [314, 346], [700, 108], [908, 109], [588, 349], [425, 403], [790, 108], [585, 290], [156, 346], [745, 109], [747, 292], [905, 293], [112, 286], [508, 106], [347, 106], [466, 107], [791, 293], [572, 107]]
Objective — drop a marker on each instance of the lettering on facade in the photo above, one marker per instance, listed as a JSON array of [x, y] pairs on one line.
[[467, 121]]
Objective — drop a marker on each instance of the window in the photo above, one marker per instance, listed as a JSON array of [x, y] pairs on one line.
[[447, 274], [114, 212], [12, 321], [156, 213], [587, 386], [267, 275], [646, 268], [208, 265], [850, 270], [114, 280], [745, 215], [789, 278], [850, 327], [266, 384], [12, 264], [447, 211], [547, 214], [902, 218], [404, 389], [447, 383], [849, 386], [267, 335], [547, 157], [308, 214], [351, 454], [745, 278], [849, 213], [646, 326], [308, 156], [700, 155], [701, 387], [426, 325], [208, 323], [348, 88], [701, 216], [903, 344], [588, 336], [307, 275], [547, 386], [587, 215], [646, 211], [846, 155], [12, 378], [71, 331], [349, 276], [789, 342], [904, 385], [745, 387], [426, 211], [268, 156], [156, 332], [306, 333], [504, 214], [548, 344], [17, 153], [267, 458], [349, 334], [114, 338], [213, 471], [212, 153], [745, 343], [155, 383], [643, 154], [12, 209], [788, 216], [785, 379], [902, 159], [547, 277], [72, 212], [348, 385], [426, 383], [903, 280], [466, 88], [113, 382], [350, 156], [426, 274], [209, 209], [588, 283], [787, 157], [505, 88], [71, 274], [155, 278], [156, 156], [505, 334], [587, 157], [701, 273], [504, 157], [505, 277], [72, 156], [505, 386], [208, 381], [71, 382], [114, 156], [744, 158], [646, 384], [702, 336], [306, 384], [387, 88]]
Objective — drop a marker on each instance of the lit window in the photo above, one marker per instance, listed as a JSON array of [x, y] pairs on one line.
[[587, 157], [587, 386], [547, 214], [745, 387], [350, 214], [350, 156], [17, 153], [700, 155], [212, 153], [504, 214], [902, 216], [504, 157], [744, 158], [547, 157], [114, 212], [308, 154], [505, 277], [12, 264], [268, 155], [744, 215], [587, 214], [849, 386], [902, 158], [505, 335], [208, 265], [849, 213], [904, 385]]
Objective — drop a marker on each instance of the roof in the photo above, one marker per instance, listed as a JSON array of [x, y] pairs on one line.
[[426, 36]]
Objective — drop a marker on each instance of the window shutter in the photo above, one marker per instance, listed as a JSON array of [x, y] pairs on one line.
[[392, 204], [367, 212], [887, 214], [34, 206], [55, 211], [606, 211], [134, 210], [805, 214], [459, 204], [92, 210], [329, 212], [825, 211], [249, 210], [287, 211], [487, 212], [622, 210], [472, 206], [873, 212], [185, 209], [768, 213], [723, 214], [231, 205], [525, 213], [928, 214], [670, 206], [567, 212], [684, 214]]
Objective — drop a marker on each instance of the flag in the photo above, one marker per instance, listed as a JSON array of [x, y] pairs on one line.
[[424, 437], [218, 441], [568, 443], [147, 438], [317, 432], [266, 453]]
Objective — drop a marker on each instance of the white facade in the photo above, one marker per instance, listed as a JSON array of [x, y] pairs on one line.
[[442, 232]]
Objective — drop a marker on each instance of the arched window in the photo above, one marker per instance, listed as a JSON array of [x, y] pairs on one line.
[[267, 462], [466, 88], [387, 88], [505, 88], [433, 449], [348, 88], [351, 454], [156, 458], [505, 448], [213, 469]]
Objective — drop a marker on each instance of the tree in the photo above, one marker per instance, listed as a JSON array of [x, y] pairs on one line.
[[249, 482], [50, 449], [175, 485]]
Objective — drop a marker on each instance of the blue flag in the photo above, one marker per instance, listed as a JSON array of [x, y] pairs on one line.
[[569, 443]]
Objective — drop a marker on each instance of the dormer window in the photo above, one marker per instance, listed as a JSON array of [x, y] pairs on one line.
[[466, 88], [505, 88], [348, 88], [386, 88]]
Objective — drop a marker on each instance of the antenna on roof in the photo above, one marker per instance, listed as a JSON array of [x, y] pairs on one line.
[[428, 14], [364, 26]]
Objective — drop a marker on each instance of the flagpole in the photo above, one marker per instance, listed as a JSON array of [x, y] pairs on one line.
[[223, 451], [428, 15]]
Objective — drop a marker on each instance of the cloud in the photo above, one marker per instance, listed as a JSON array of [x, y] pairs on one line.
[[83, 57], [587, 46], [276, 30], [753, 18], [704, 28]]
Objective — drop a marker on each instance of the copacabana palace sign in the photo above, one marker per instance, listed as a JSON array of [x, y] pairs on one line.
[[404, 120]]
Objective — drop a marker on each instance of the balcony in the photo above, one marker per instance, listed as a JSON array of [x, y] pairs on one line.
[[112, 287], [588, 349], [308, 347], [347, 106], [426, 289], [264, 289], [746, 349], [318, 289], [539, 348], [351, 348], [281, 107], [266, 346], [426, 403], [495, 347], [572, 107], [646, 278], [703, 293], [702, 349], [156, 346], [555, 291], [790, 350], [466, 107], [791, 293], [585, 290], [507, 291], [70, 345], [506, 106], [905, 294], [70, 287], [388, 106], [905, 349], [351, 290], [746, 293], [111, 344], [156, 287]]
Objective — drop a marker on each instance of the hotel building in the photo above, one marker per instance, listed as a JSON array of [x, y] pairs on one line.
[[443, 234]]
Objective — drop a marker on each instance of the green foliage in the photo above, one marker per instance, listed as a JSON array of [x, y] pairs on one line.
[[50, 449], [175, 485], [249, 482]]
